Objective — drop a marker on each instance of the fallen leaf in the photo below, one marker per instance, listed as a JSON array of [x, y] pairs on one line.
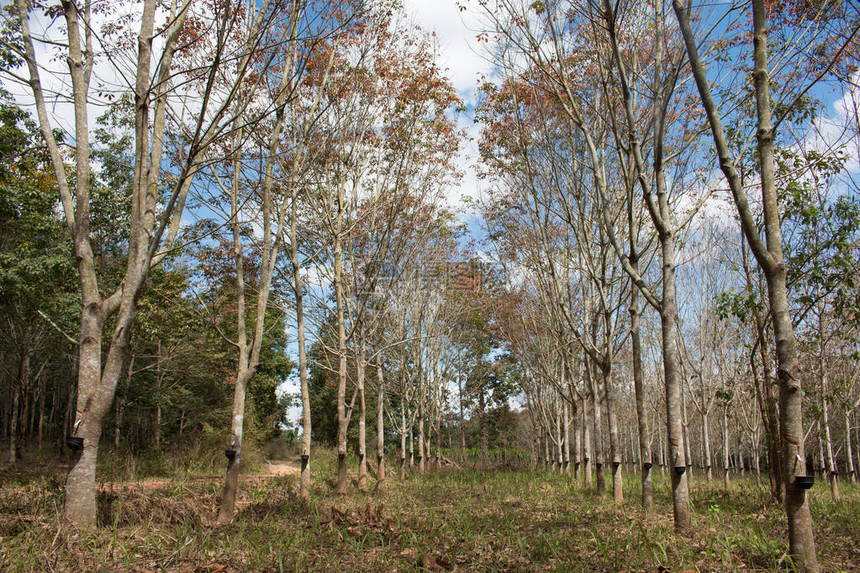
[[429, 562]]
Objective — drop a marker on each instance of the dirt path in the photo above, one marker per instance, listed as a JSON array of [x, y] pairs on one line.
[[283, 468], [274, 468]]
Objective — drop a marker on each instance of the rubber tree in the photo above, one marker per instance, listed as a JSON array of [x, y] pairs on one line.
[[545, 39], [154, 217], [768, 253], [274, 211], [338, 170], [398, 214], [655, 192]]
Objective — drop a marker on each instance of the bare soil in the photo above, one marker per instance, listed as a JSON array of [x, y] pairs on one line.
[[271, 469], [278, 468]]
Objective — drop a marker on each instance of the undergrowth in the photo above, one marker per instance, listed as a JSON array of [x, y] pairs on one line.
[[448, 520]]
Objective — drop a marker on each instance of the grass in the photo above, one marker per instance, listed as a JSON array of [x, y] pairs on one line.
[[452, 520]]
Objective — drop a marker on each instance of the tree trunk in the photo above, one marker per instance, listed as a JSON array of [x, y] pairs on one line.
[[857, 449], [421, 460], [614, 446], [577, 441], [425, 455], [4, 420], [828, 442], [726, 445], [13, 428], [80, 506], [558, 438], [119, 403], [706, 443], [305, 477], [380, 427], [411, 435], [437, 459], [586, 443], [227, 505], [547, 460], [485, 430], [433, 447], [249, 353], [639, 389], [298, 291], [756, 461], [849, 455], [828, 446], [42, 390], [685, 424], [68, 420], [674, 398], [768, 406], [598, 428], [22, 382], [158, 397], [362, 422], [461, 400], [566, 438], [403, 444], [26, 416], [822, 465], [342, 475]]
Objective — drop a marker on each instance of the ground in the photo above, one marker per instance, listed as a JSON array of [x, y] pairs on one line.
[[456, 520], [283, 468]]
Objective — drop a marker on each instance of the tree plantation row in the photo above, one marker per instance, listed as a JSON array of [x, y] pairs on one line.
[[203, 199]]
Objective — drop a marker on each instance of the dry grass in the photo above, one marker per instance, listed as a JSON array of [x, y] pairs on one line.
[[453, 520]]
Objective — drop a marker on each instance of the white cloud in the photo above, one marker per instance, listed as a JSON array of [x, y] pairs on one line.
[[455, 31], [840, 127], [464, 62]]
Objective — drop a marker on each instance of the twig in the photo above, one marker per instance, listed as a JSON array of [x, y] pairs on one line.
[[60, 330]]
